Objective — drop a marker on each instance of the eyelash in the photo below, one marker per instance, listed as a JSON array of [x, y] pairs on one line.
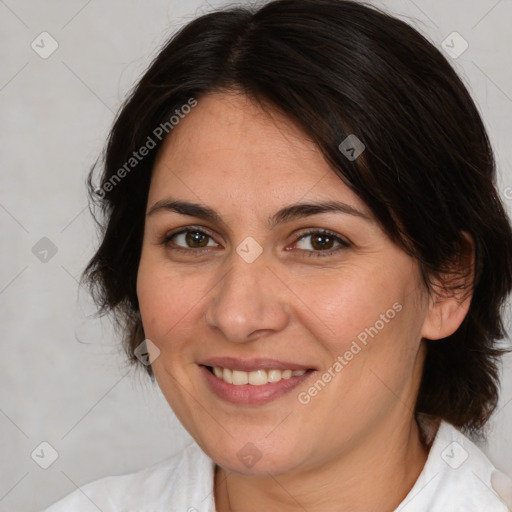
[[343, 244]]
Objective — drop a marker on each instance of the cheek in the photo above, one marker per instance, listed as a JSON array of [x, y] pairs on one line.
[[386, 365], [171, 300], [164, 299], [371, 318], [343, 303]]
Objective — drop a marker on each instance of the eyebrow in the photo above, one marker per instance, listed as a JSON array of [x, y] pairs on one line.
[[286, 214]]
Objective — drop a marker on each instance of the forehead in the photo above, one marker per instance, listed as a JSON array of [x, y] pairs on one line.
[[228, 146]]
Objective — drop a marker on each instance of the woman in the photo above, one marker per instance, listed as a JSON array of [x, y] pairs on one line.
[[305, 249]]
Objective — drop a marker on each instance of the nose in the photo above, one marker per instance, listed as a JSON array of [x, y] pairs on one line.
[[249, 301]]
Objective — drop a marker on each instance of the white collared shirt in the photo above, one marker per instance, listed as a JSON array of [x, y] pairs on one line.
[[457, 477]]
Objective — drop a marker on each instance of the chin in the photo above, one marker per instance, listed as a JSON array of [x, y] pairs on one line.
[[256, 459]]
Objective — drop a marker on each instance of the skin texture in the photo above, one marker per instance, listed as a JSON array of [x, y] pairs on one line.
[[358, 433]]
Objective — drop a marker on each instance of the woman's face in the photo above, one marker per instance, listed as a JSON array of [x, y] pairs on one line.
[[249, 280]]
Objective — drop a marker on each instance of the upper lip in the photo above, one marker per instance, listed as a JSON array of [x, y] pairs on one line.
[[249, 365]]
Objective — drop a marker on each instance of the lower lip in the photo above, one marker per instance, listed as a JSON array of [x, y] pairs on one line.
[[248, 394]]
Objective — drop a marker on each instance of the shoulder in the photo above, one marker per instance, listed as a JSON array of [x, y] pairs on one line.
[[458, 477], [183, 481]]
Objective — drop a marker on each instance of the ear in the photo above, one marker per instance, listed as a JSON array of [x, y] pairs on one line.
[[451, 294]]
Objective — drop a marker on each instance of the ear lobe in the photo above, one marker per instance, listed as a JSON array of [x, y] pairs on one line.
[[451, 294]]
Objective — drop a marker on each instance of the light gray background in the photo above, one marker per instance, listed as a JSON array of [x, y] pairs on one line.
[[64, 380]]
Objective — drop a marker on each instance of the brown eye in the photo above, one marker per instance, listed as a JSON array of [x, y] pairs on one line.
[[196, 239], [189, 239], [320, 243]]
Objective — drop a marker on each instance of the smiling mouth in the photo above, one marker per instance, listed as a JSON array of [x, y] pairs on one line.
[[255, 377]]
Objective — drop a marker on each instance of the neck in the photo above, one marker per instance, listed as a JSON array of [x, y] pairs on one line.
[[373, 477]]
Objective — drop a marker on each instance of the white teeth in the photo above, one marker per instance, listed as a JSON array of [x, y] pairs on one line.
[[274, 375], [256, 377], [239, 378], [227, 375]]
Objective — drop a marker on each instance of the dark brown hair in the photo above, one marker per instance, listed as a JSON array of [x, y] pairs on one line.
[[336, 68]]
